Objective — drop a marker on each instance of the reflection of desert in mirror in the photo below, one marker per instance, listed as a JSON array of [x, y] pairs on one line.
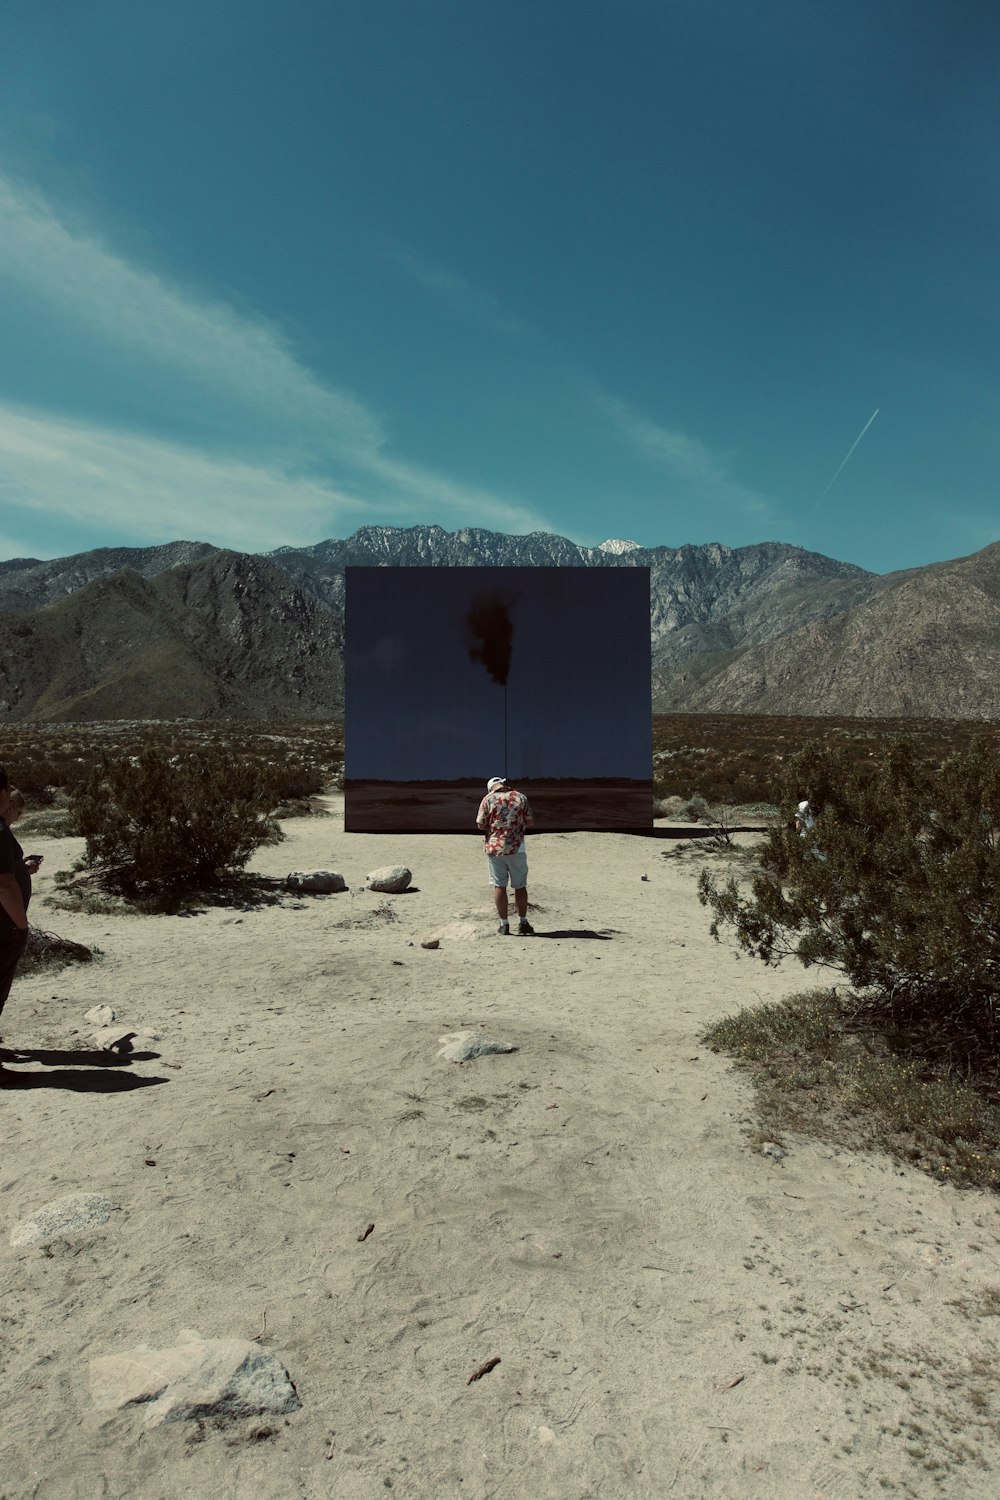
[[455, 675]]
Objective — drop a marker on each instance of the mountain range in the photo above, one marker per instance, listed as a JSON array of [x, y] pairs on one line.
[[191, 630]]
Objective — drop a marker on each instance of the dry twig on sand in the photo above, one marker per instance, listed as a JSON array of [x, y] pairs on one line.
[[45, 948]]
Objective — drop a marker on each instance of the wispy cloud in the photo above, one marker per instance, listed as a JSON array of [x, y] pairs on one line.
[[468, 301], [237, 359], [143, 488], [130, 308], [153, 491], [684, 458], [11, 546]]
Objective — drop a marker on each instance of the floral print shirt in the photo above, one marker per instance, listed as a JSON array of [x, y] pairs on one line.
[[503, 816]]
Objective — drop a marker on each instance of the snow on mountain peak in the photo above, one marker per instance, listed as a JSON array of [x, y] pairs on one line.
[[616, 546]]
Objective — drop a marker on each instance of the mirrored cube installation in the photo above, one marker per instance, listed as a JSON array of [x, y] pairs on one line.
[[454, 675]]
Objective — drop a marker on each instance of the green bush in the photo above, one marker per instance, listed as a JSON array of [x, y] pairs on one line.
[[897, 886], [294, 779], [37, 773], [172, 822]]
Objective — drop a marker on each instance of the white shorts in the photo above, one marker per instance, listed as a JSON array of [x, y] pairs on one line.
[[509, 867]]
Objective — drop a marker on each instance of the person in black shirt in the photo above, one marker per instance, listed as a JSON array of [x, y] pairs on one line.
[[15, 893]]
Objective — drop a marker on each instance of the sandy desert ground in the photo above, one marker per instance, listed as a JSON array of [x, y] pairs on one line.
[[675, 1314]]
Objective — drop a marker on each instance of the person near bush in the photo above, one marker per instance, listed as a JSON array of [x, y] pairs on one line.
[[503, 816], [16, 810], [15, 892]]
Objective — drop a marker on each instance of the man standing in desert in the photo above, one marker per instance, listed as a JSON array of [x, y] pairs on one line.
[[504, 814]]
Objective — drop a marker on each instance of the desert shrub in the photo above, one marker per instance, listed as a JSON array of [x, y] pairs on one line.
[[171, 821], [37, 773], [820, 1069], [781, 1029], [294, 780], [695, 810], [897, 886], [735, 758]]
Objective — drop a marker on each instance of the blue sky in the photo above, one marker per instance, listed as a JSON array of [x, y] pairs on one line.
[[644, 268]]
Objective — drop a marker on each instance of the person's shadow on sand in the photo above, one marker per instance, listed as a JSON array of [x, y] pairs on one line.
[[575, 932], [75, 1057], [80, 1081], [87, 1071]]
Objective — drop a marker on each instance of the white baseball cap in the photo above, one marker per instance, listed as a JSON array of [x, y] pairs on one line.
[[494, 782]]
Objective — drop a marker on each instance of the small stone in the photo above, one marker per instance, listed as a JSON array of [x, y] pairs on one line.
[[113, 1039], [320, 882], [197, 1377], [773, 1150], [100, 1015], [431, 943], [464, 1046], [75, 1212], [392, 879]]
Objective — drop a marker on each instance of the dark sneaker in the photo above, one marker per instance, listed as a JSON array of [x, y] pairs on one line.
[[503, 930], [524, 928]]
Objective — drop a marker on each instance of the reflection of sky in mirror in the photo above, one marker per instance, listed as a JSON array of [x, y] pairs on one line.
[[419, 707]]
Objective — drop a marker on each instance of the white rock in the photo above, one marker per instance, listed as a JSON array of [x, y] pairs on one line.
[[390, 878], [114, 1039], [197, 1377], [100, 1015], [322, 882], [77, 1211], [463, 1046]]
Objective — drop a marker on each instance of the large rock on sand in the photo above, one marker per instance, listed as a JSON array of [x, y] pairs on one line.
[[318, 882], [198, 1377], [77, 1213], [466, 1046], [390, 878]]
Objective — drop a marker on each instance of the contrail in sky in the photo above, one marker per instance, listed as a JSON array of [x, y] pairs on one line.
[[848, 454]]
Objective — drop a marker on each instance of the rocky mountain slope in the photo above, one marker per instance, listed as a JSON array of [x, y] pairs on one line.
[[926, 645], [189, 630], [27, 583], [226, 636], [705, 602]]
